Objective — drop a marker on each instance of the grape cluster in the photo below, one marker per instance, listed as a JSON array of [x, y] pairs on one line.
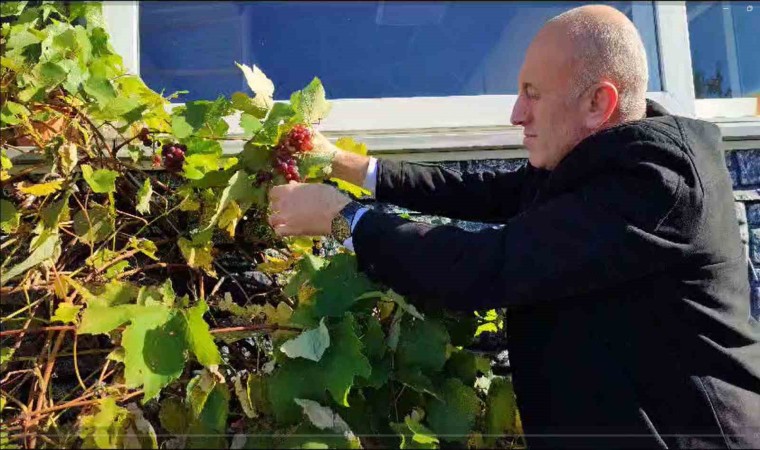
[[144, 136], [174, 156], [298, 140]]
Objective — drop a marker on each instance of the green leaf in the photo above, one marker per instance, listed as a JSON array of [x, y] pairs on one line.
[[48, 246], [315, 165], [454, 417], [9, 216], [246, 104], [203, 117], [14, 113], [146, 247], [105, 429], [305, 270], [22, 38], [66, 313], [196, 145], [249, 123], [255, 157], [323, 417], [173, 416], [465, 365], [199, 339], [208, 401], [102, 181], [238, 188], [180, 127], [12, 8], [335, 372], [270, 130], [413, 433], [310, 344], [135, 153], [154, 349], [422, 344], [143, 197], [99, 226], [338, 285], [100, 89], [91, 11], [6, 353], [198, 165], [501, 410], [310, 103]]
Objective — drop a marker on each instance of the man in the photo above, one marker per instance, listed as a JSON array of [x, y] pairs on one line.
[[620, 260]]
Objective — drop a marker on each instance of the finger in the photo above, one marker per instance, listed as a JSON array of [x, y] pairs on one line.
[[284, 230], [277, 219]]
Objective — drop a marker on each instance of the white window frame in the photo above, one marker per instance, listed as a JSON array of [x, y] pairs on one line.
[[459, 125]]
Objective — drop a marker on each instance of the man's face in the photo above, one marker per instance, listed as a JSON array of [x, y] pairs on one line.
[[551, 118]]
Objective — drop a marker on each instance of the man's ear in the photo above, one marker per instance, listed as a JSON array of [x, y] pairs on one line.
[[601, 104]]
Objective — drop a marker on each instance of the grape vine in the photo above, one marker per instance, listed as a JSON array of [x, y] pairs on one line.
[[126, 322]]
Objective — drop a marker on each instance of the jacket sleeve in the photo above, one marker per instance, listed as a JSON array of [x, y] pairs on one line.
[[580, 241], [489, 196]]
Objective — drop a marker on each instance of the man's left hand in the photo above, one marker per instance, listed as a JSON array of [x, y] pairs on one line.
[[304, 209]]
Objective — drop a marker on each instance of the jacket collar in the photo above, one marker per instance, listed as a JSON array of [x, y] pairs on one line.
[[596, 152]]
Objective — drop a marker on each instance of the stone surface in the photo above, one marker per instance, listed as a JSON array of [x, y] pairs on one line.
[[748, 162], [732, 168], [753, 214], [754, 245]]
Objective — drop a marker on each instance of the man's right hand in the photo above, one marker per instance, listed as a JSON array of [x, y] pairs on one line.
[[347, 166]]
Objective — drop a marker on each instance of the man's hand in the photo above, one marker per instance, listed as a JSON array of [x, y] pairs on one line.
[[347, 166], [300, 209]]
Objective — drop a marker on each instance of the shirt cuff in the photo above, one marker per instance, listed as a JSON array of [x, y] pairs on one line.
[[349, 243], [370, 181]]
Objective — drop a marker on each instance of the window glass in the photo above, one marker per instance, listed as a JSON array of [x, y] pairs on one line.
[[725, 52], [357, 49]]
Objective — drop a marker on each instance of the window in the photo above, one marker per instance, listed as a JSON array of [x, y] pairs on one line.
[[402, 76], [725, 57], [358, 49]]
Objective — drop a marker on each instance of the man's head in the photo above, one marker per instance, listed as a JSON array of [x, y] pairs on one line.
[[585, 70]]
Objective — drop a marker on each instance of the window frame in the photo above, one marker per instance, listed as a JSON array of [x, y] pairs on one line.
[[429, 125]]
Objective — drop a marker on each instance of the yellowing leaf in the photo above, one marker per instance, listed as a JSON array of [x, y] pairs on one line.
[[348, 144], [197, 256], [68, 158], [260, 84], [229, 218], [66, 313], [306, 294], [41, 189], [274, 265], [143, 197], [61, 286], [280, 315], [5, 162], [300, 244]]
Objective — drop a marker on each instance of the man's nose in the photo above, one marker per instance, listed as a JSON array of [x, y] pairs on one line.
[[519, 111]]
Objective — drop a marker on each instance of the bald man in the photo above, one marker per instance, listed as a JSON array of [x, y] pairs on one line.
[[619, 261]]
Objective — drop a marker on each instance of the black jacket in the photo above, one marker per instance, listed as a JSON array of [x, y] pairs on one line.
[[624, 276]]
